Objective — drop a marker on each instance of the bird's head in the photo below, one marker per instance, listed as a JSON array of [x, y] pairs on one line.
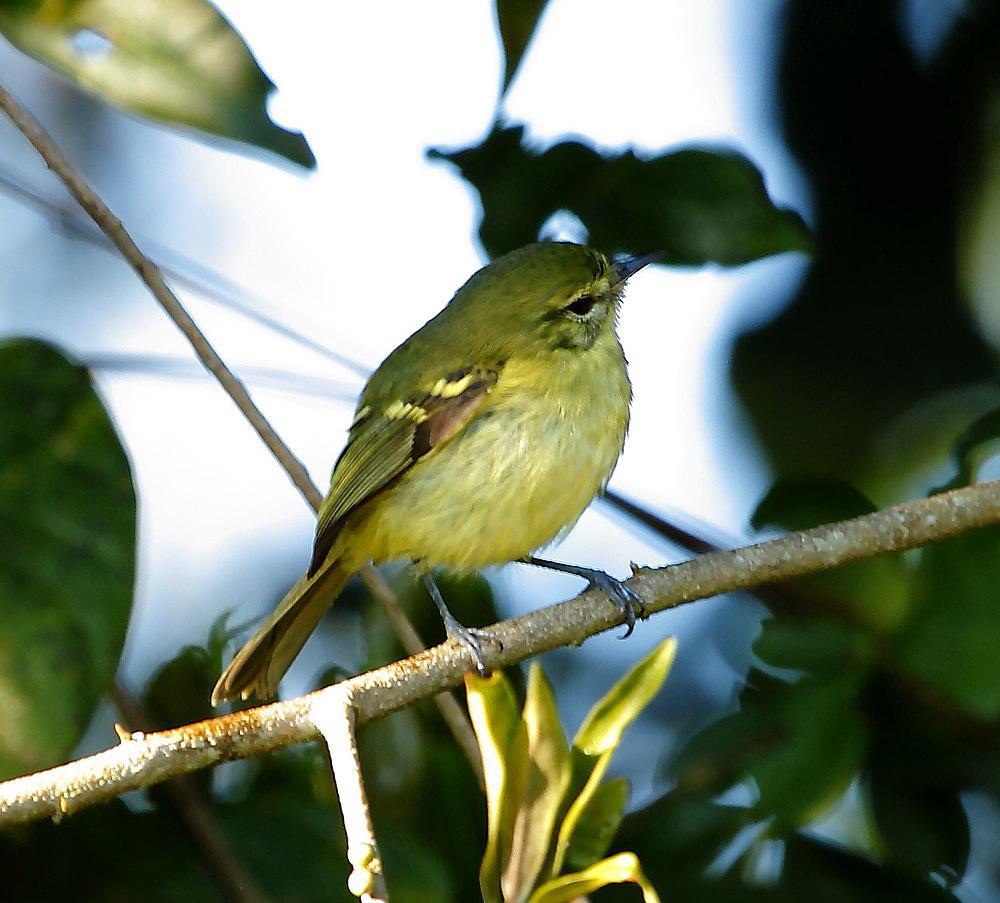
[[548, 296]]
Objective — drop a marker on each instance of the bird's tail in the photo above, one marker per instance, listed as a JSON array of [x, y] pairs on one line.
[[262, 662]]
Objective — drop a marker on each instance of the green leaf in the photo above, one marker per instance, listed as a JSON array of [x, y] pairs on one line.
[[925, 829], [951, 639], [618, 869], [537, 790], [698, 205], [821, 739], [180, 691], [516, 22], [974, 446], [496, 719], [605, 723], [180, 63], [802, 744], [597, 824], [814, 646], [821, 872], [67, 554]]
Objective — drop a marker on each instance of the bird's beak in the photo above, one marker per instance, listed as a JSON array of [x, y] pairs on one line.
[[629, 266]]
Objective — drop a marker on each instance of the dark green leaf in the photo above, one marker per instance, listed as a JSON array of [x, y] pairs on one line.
[[813, 646], [516, 22], [180, 63], [977, 443], [953, 638], [925, 829], [802, 743], [67, 554], [820, 872], [698, 205]]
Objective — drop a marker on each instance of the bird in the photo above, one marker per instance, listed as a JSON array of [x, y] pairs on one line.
[[477, 442]]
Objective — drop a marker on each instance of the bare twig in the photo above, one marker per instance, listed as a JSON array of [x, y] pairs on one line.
[[334, 718], [140, 763], [191, 809], [680, 535], [148, 272], [211, 285]]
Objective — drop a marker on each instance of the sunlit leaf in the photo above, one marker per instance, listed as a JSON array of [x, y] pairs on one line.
[[620, 869], [496, 719], [698, 205], [67, 554], [180, 63], [516, 21], [597, 824], [538, 789], [605, 723]]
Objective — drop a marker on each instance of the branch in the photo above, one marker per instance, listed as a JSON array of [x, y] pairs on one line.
[[142, 762], [148, 272]]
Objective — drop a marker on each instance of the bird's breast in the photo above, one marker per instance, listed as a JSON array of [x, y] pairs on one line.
[[518, 476]]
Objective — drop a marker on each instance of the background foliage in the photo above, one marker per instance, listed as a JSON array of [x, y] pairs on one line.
[[861, 759]]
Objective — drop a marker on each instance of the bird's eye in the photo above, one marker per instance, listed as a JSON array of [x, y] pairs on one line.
[[582, 305]]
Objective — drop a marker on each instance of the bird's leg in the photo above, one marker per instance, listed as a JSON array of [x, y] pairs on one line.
[[626, 598], [469, 637]]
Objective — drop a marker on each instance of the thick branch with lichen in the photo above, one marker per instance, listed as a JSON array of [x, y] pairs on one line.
[[148, 759]]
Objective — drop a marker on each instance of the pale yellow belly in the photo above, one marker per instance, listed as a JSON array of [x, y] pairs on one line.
[[509, 484]]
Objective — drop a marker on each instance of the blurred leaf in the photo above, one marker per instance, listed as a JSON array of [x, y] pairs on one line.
[[537, 790], [822, 742], [820, 872], [951, 640], [879, 323], [926, 831], [802, 743], [813, 646], [875, 591], [607, 720], [496, 719], [67, 554], [180, 63], [180, 690], [598, 824], [614, 870], [973, 447], [680, 835], [697, 205], [516, 22]]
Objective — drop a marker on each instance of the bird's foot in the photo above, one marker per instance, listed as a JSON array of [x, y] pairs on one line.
[[629, 602], [472, 638]]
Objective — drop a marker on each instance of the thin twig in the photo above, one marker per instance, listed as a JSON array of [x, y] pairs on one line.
[[212, 286], [142, 762], [151, 276], [148, 272], [191, 809], [334, 719], [683, 536]]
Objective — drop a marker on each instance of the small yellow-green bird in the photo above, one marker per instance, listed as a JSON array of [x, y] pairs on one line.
[[479, 440]]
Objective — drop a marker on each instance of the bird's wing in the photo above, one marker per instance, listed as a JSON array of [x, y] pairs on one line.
[[384, 443]]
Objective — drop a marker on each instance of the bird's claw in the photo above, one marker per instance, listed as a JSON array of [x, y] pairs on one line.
[[629, 602], [472, 639]]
